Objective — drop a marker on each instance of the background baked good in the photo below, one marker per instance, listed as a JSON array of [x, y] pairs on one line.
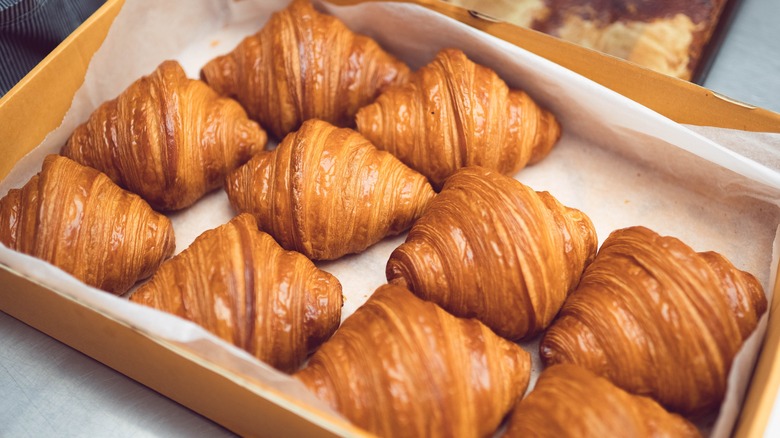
[[668, 36]]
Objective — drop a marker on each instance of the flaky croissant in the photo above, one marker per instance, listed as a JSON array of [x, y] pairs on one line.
[[304, 65], [454, 113], [238, 283], [167, 138], [492, 248], [570, 401], [77, 219], [327, 192], [400, 366], [658, 319]]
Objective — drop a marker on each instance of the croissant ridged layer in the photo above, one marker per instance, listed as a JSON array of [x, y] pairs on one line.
[[77, 219], [658, 319], [327, 192], [167, 138], [304, 65], [492, 248], [238, 283], [400, 366], [454, 113], [570, 401]]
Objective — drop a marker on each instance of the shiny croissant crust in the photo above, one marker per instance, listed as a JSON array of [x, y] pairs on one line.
[[570, 401], [77, 219], [492, 248], [167, 138], [454, 113], [304, 65], [237, 282], [658, 319], [400, 366], [327, 192]]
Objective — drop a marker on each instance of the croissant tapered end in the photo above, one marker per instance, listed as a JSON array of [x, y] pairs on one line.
[[543, 124], [454, 113], [745, 295], [219, 74], [75, 218], [327, 192], [490, 247], [570, 401], [304, 65], [658, 319], [168, 138], [566, 331], [400, 366], [238, 283]]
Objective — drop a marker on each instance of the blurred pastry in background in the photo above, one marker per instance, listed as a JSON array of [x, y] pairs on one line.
[[667, 36]]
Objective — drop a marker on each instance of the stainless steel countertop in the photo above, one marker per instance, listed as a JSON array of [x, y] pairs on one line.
[[747, 67], [49, 389]]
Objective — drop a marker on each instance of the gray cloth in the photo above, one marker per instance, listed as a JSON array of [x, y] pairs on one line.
[[30, 29]]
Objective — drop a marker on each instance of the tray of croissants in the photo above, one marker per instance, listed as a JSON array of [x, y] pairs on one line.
[[403, 221]]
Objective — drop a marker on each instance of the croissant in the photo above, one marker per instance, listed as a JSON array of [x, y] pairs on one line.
[[400, 366], [454, 113], [490, 247], [77, 219], [167, 138], [569, 401], [658, 319], [327, 192], [304, 65], [239, 284]]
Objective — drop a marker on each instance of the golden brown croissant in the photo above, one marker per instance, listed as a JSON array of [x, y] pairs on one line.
[[326, 192], [304, 65], [238, 283], [570, 401], [490, 247], [168, 138], [77, 219], [454, 113], [400, 366], [657, 319]]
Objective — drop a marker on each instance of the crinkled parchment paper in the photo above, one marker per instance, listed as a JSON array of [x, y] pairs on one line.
[[617, 161]]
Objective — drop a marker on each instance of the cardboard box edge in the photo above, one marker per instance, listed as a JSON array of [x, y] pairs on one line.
[[161, 367], [759, 402]]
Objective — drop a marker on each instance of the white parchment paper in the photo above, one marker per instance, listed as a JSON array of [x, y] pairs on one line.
[[617, 161]]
